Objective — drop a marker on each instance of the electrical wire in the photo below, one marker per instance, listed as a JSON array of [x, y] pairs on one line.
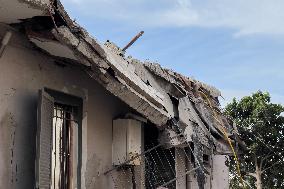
[[227, 138]]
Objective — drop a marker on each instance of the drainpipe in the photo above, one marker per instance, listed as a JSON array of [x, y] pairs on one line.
[[5, 42]]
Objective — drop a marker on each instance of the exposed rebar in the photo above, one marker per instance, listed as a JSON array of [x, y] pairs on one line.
[[133, 41]]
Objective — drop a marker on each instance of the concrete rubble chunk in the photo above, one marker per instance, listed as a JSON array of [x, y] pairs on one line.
[[160, 95], [87, 86]]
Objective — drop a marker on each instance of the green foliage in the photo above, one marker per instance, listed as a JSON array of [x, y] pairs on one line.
[[261, 126]]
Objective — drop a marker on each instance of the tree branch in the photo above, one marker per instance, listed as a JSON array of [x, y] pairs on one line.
[[273, 154], [255, 160], [265, 158], [270, 166], [248, 184], [252, 174]]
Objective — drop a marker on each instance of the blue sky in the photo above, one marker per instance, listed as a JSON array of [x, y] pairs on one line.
[[235, 45]]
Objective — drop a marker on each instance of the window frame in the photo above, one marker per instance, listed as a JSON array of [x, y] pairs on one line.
[[77, 102]]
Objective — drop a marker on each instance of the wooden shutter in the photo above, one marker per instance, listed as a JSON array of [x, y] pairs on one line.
[[44, 140]]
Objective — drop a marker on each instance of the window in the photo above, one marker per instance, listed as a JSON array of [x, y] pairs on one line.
[[59, 141]]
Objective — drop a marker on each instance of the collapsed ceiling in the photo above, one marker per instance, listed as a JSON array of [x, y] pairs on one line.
[[160, 95], [180, 106]]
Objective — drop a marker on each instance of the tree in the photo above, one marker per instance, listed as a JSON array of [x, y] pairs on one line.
[[260, 125]]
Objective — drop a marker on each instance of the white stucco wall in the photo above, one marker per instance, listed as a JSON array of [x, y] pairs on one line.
[[23, 71], [220, 173]]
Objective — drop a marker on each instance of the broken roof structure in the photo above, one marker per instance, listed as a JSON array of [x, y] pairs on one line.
[[186, 110]]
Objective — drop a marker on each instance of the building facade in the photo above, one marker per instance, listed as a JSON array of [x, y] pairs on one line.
[[78, 114]]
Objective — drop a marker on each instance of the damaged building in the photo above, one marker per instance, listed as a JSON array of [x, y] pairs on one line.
[[76, 113]]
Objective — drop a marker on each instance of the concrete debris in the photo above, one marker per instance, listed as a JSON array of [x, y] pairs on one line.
[[114, 48], [24, 9], [186, 112], [169, 138], [164, 97], [54, 48], [184, 82], [39, 4]]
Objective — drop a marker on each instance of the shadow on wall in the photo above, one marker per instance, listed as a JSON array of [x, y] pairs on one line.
[[18, 141]]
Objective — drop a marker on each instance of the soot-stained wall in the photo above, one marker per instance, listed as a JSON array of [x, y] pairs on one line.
[[23, 71]]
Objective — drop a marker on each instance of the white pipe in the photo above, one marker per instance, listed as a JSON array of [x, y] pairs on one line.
[[5, 41]]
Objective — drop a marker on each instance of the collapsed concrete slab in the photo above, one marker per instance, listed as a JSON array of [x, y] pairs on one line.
[[158, 94], [185, 111]]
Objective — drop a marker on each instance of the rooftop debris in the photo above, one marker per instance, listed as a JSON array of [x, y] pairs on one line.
[[176, 104]]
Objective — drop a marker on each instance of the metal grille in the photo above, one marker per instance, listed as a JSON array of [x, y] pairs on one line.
[[160, 167], [62, 156]]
